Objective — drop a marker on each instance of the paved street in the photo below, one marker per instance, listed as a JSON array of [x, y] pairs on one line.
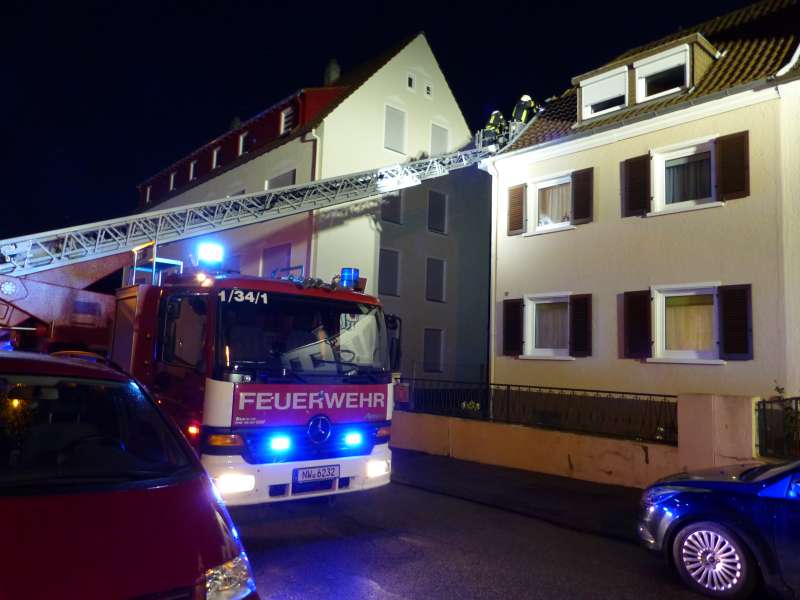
[[402, 542]]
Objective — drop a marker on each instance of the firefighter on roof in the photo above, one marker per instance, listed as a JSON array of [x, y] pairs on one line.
[[524, 109], [495, 129]]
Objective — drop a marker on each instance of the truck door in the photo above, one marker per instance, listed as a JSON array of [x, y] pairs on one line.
[[787, 533], [179, 377]]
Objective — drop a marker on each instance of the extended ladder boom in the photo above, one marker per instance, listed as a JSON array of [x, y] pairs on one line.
[[58, 248]]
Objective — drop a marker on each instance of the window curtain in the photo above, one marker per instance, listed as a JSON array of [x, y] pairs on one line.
[[552, 326], [689, 322], [688, 178], [555, 204]]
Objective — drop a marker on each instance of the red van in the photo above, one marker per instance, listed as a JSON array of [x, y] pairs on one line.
[[100, 495]]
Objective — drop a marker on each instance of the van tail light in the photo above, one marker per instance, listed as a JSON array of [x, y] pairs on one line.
[[382, 434]]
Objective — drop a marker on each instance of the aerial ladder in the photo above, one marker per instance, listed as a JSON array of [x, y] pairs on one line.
[[43, 278]]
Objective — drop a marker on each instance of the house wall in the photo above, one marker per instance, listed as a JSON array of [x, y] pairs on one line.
[[464, 315], [249, 242], [353, 140], [744, 241]]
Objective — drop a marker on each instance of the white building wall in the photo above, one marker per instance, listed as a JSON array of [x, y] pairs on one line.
[[353, 140]]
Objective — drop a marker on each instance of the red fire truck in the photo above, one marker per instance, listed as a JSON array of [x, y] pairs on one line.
[[283, 386]]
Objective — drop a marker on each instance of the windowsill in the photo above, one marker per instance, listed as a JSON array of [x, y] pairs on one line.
[[686, 361], [681, 209], [544, 357], [565, 227]]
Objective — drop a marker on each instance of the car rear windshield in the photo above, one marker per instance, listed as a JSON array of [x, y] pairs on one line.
[[62, 431]]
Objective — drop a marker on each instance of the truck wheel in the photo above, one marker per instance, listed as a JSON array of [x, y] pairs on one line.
[[713, 561]]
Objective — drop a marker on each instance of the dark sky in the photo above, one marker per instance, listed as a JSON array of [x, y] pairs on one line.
[[98, 96]]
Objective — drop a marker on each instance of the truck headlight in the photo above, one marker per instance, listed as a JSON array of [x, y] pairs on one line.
[[230, 581]]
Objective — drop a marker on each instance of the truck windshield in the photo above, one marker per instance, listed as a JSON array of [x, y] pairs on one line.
[[58, 432], [268, 336]]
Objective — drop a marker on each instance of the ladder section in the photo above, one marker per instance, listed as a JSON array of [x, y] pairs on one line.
[[58, 248]]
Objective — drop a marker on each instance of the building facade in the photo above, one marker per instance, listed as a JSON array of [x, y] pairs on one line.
[[395, 109], [645, 229], [434, 274]]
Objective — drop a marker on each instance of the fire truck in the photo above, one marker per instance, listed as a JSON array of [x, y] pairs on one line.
[[284, 386]]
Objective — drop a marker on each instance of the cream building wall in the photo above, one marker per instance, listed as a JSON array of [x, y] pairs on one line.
[[248, 243], [749, 240], [353, 140]]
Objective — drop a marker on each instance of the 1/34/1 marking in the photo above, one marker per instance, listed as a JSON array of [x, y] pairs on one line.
[[237, 295]]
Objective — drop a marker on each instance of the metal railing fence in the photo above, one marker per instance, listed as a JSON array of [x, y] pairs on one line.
[[641, 417], [779, 427]]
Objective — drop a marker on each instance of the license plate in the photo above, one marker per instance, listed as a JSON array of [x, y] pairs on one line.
[[316, 473]]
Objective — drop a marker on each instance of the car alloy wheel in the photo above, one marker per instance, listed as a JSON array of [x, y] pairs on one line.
[[713, 561]]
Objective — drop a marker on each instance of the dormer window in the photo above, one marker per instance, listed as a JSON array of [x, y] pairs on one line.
[[662, 74], [604, 93]]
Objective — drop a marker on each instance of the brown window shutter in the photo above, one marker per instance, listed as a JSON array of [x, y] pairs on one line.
[[732, 156], [580, 325], [638, 341], [512, 327], [516, 209], [735, 322], [582, 196], [636, 195]]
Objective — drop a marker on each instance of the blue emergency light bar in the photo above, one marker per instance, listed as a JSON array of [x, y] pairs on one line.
[[209, 252], [349, 277]]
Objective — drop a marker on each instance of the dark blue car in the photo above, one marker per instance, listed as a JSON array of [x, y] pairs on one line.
[[728, 529]]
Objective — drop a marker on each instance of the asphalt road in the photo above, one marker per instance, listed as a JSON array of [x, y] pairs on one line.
[[400, 542]]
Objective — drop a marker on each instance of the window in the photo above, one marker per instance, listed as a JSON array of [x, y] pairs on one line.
[[604, 93], [216, 157], [147, 191], [184, 330], [192, 170], [394, 134], [389, 272], [433, 350], [685, 322], [282, 180], [287, 119], [435, 280], [703, 323], [172, 181], [684, 177], [429, 90], [392, 209], [547, 325], [243, 142], [437, 212], [439, 140], [662, 74], [553, 204], [411, 82]]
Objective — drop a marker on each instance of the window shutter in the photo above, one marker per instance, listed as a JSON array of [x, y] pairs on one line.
[[434, 280], [638, 341], [735, 322], [512, 327], [733, 166], [636, 186], [516, 209], [580, 325], [388, 272], [582, 196]]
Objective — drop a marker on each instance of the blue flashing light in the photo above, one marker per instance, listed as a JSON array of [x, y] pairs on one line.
[[353, 438], [209, 252], [348, 277], [280, 443]]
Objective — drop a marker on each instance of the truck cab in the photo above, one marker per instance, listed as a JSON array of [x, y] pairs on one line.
[[284, 387]]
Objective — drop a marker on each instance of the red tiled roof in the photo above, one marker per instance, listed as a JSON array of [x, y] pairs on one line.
[[755, 42]]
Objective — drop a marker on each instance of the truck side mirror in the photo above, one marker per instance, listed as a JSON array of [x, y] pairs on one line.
[[394, 329]]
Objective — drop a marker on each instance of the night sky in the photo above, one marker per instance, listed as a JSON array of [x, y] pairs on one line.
[[99, 96]]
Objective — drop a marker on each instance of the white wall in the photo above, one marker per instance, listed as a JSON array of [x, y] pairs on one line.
[[353, 140]]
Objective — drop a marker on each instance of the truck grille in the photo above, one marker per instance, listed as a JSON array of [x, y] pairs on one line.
[[301, 447]]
